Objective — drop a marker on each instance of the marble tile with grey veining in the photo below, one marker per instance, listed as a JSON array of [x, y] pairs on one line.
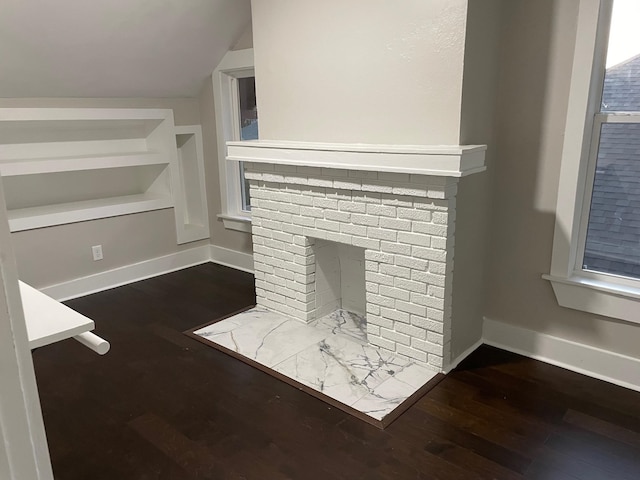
[[387, 396], [261, 335], [342, 368], [343, 322]]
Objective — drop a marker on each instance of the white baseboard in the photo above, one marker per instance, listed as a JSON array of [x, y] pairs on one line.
[[98, 282], [595, 362], [231, 258], [456, 361]]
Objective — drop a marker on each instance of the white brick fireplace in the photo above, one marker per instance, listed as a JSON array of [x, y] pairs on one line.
[[396, 205]]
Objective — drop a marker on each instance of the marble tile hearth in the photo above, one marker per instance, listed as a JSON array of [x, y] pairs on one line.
[[330, 356]]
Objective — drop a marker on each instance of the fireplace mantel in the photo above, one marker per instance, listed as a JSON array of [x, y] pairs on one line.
[[433, 160]]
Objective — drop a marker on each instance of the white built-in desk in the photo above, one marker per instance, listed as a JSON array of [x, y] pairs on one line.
[[50, 321]]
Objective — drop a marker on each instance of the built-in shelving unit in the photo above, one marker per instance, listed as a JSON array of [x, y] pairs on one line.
[[66, 165]]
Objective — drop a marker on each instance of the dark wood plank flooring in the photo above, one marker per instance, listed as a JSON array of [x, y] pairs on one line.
[[160, 405]]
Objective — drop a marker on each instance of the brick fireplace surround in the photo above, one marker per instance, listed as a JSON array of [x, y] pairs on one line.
[[396, 203]]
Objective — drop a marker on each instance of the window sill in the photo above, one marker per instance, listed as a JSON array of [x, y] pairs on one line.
[[596, 296], [236, 222]]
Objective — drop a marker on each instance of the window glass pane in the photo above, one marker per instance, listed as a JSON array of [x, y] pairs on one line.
[[613, 232], [621, 91], [248, 126]]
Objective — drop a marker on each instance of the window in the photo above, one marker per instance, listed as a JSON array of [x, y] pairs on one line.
[[596, 256], [236, 119]]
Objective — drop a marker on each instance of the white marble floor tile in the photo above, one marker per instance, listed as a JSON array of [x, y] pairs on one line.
[[261, 335], [342, 368], [387, 396], [342, 322]]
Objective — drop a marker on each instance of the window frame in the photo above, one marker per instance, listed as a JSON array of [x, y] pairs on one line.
[[594, 292], [235, 65]]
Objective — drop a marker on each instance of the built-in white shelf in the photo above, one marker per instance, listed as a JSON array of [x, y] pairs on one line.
[[62, 213], [69, 164]]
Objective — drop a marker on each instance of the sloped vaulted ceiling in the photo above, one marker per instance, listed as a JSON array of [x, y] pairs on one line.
[[114, 48]]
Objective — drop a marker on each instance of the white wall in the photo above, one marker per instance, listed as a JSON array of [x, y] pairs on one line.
[[359, 71]]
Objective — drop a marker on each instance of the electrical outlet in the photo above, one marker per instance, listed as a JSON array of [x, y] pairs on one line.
[[97, 252]]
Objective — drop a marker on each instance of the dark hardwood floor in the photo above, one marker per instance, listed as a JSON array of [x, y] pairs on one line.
[[160, 405]]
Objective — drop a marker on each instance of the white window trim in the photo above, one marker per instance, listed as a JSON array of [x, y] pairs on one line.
[[234, 65], [597, 293]]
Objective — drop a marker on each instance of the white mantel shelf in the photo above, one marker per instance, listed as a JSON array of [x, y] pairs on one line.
[[437, 160]]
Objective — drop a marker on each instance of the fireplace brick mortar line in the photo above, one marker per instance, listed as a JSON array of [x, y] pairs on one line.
[[406, 225]]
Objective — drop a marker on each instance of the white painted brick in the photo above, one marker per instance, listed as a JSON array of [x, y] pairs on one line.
[[302, 269], [350, 229], [440, 218], [373, 330], [347, 185], [286, 168], [431, 204], [430, 229], [371, 287], [434, 291], [410, 285], [366, 197], [353, 207], [435, 360], [430, 325], [311, 212], [411, 262], [395, 224], [302, 200], [272, 177], [262, 232], [337, 216], [305, 170], [271, 243], [380, 300], [383, 343], [275, 297], [376, 186], [428, 254], [365, 243], [296, 179], [297, 304], [412, 353], [379, 321], [328, 225], [411, 330], [339, 238], [382, 234], [370, 266], [263, 250], [414, 214], [289, 208], [378, 278], [292, 229], [300, 278], [394, 293], [395, 271], [419, 239], [284, 273], [304, 222], [400, 248], [378, 256], [282, 255], [426, 346], [400, 338], [274, 262], [320, 182], [410, 191], [340, 195], [396, 201], [435, 338], [427, 301], [334, 172], [381, 210], [270, 222], [395, 315], [304, 259], [438, 268], [373, 309], [369, 220], [328, 203], [435, 314], [411, 308], [441, 243], [315, 233], [428, 278]]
